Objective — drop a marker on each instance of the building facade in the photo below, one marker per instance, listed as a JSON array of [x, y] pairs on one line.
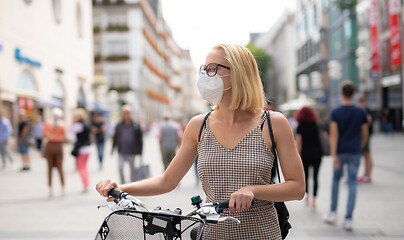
[[45, 56], [312, 52], [134, 50], [281, 74]]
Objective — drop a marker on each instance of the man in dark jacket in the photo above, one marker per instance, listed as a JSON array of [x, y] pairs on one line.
[[128, 139]]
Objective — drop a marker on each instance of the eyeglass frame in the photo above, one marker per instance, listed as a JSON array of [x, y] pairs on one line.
[[204, 67]]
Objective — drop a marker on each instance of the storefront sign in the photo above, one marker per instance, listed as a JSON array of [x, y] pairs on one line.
[[22, 59], [395, 46], [391, 80], [374, 38]]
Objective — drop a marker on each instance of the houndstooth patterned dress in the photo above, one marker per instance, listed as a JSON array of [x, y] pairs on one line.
[[223, 171]]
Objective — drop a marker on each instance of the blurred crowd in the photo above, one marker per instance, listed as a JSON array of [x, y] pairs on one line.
[[344, 134]]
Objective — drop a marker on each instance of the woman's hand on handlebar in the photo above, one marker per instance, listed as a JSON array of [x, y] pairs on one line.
[[104, 186], [240, 200]]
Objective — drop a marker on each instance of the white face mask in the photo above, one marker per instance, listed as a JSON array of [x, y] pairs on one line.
[[211, 88]]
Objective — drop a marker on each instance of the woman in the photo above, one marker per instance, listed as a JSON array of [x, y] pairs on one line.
[[309, 146], [24, 129], [98, 128], [54, 132], [82, 144], [234, 142], [37, 132]]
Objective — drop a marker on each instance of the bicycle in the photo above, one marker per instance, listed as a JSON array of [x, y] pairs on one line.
[[130, 219]]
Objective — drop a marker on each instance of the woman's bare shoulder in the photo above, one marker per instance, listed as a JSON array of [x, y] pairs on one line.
[[279, 120], [196, 122]]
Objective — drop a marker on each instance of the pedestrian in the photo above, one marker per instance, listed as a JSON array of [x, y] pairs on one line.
[[235, 159], [348, 134], [309, 147], [54, 134], [24, 130], [128, 139], [99, 128], [81, 148], [170, 137], [366, 178], [6, 131], [37, 130], [388, 125]]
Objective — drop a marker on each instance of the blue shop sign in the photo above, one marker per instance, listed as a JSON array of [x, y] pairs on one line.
[[22, 59]]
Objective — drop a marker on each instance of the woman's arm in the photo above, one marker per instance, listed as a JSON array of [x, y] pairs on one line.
[[293, 188], [334, 143], [167, 181], [299, 142]]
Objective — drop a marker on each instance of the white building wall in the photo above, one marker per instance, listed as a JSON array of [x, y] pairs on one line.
[[278, 42], [56, 45]]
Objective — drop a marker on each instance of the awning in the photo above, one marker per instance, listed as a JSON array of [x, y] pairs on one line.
[[49, 102], [296, 104]]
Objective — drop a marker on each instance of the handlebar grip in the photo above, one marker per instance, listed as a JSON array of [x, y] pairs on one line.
[[223, 204], [115, 193]]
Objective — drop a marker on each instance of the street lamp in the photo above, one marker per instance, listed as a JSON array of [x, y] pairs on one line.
[[335, 74], [363, 63], [316, 80], [334, 69], [303, 80]]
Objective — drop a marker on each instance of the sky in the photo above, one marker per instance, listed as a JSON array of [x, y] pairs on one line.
[[199, 25]]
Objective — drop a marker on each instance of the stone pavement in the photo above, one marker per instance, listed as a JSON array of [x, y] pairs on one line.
[[26, 211]]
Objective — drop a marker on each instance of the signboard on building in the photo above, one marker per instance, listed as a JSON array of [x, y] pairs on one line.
[[395, 46], [374, 36]]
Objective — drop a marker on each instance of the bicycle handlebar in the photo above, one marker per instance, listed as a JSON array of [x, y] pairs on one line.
[[223, 204], [117, 193]]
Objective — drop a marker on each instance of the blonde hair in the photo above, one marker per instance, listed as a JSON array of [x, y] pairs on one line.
[[247, 90], [80, 113]]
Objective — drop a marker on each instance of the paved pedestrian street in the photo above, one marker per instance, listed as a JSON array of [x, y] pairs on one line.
[[27, 212]]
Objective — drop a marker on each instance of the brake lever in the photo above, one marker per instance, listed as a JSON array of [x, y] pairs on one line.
[[221, 219], [113, 208], [209, 212]]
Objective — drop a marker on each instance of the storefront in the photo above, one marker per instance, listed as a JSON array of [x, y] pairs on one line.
[[392, 99]]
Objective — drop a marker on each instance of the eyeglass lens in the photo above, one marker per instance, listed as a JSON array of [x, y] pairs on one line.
[[211, 69]]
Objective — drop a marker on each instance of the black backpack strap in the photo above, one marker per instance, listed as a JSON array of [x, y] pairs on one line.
[[275, 170], [203, 125]]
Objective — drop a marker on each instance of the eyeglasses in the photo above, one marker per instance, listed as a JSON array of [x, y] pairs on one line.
[[211, 68]]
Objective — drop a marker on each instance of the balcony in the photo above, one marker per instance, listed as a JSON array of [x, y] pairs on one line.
[[120, 89], [117, 28], [97, 58], [117, 58], [96, 29]]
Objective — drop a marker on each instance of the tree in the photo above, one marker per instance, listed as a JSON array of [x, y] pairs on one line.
[[263, 62], [346, 4]]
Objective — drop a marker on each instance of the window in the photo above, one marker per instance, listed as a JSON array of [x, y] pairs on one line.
[[117, 18], [79, 20], [118, 47], [96, 19], [97, 48], [118, 79], [26, 82], [58, 90], [57, 10]]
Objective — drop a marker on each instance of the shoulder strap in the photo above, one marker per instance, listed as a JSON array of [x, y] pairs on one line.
[[203, 125], [275, 170]]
